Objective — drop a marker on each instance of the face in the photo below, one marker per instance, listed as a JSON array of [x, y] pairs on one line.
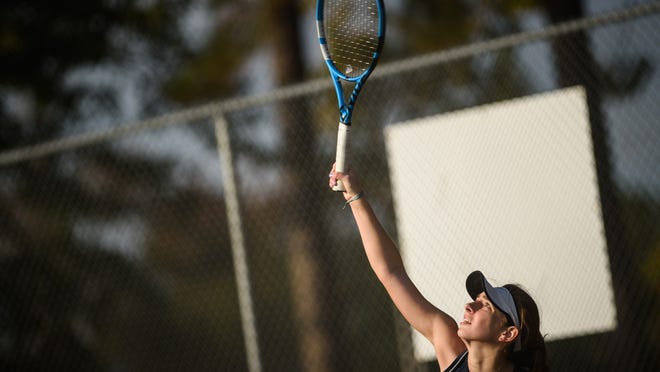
[[482, 321]]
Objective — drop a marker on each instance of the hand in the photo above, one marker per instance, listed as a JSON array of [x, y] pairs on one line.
[[349, 179]]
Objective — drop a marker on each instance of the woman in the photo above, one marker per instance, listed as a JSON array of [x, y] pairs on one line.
[[500, 327]]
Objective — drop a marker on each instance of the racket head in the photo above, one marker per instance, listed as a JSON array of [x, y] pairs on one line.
[[351, 35]]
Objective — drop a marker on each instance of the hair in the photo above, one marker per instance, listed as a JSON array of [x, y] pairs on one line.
[[532, 355]]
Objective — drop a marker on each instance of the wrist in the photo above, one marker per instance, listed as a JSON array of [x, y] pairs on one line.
[[353, 198]]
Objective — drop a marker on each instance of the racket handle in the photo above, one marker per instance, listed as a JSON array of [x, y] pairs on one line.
[[341, 160]]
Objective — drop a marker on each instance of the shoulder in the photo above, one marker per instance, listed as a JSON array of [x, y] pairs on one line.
[[448, 346]]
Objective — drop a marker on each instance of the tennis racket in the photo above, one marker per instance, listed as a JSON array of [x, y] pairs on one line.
[[351, 34]]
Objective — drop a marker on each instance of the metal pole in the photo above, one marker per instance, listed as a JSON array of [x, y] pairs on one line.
[[238, 246]]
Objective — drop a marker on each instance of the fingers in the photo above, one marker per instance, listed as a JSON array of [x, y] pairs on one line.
[[348, 178], [332, 181], [334, 176]]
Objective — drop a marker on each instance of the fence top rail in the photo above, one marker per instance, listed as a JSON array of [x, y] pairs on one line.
[[213, 109]]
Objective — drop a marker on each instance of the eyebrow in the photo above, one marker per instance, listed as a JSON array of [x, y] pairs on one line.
[[483, 297]]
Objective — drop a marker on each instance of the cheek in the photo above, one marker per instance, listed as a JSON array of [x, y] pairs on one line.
[[498, 324], [480, 329], [481, 325], [492, 324]]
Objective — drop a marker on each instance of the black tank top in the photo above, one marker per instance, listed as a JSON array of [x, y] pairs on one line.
[[460, 364]]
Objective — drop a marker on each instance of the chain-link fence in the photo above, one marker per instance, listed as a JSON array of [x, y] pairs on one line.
[[208, 239]]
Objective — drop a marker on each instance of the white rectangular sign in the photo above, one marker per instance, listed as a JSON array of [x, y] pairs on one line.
[[509, 189]]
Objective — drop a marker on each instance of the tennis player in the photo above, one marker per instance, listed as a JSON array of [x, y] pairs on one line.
[[500, 326]]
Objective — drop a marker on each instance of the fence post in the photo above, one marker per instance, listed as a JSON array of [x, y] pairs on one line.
[[235, 223]]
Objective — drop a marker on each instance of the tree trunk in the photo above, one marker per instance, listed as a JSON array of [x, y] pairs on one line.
[[309, 271]]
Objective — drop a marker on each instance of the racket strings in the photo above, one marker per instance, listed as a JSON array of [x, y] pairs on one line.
[[352, 30]]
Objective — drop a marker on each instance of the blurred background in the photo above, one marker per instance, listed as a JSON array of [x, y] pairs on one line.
[[163, 176]]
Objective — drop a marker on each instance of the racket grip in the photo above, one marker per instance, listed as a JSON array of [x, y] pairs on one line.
[[341, 160]]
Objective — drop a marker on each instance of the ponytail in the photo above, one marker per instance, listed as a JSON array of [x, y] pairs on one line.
[[532, 355]]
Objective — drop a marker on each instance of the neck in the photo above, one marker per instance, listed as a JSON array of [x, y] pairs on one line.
[[491, 360]]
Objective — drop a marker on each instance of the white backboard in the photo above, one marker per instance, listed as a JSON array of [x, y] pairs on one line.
[[509, 189]]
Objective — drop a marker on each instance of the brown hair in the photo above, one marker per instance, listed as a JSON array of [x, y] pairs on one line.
[[532, 355]]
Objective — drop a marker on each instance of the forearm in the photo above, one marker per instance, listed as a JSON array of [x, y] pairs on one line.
[[382, 253]]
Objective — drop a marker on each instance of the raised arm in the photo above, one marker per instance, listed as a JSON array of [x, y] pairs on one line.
[[385, 260]]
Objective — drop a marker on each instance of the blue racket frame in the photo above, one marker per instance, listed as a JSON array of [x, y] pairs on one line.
[[346, 110]]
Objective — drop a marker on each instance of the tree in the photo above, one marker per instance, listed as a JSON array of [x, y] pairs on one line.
[[57, 286], [311, 277]]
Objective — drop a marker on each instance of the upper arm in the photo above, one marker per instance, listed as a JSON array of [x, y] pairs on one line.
[[436, 325]]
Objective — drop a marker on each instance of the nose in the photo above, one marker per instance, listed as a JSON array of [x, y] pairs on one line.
[[472, 306]]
